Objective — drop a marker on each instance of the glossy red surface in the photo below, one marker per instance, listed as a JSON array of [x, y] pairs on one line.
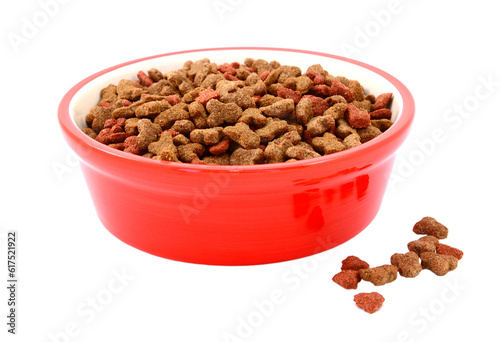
[[238, 215]]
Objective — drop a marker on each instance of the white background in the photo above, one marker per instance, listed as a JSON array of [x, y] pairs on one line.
[[440, 50]]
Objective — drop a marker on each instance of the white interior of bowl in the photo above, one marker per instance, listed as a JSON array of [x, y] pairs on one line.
[[373, 83]]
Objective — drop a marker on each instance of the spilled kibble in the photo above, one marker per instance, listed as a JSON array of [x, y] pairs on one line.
[[426, 253]]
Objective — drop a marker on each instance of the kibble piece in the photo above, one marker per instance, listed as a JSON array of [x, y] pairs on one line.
[[148, 132], [342, 129], [280, 109], [438, 263], [358, 93], [189, 152], [357, 118], [327, 144], [353, 263], [300, 153], [379, 275], [247, 157], [276, 149], [221, 113], [164, 148], [206, 136], [448, 250], [368, 133], [253, 117], [382, 101], [222, 159], [304, 110], [351, 141], [90, 132], [423, 245], [243, 135], [379, 114], [382, 124], [369, 302], [408, 264], [338, 88], [348, 279], [274, 127], [430, 226], [320, 124]]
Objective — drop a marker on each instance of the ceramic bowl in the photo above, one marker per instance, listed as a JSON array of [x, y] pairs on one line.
[[237, 215]]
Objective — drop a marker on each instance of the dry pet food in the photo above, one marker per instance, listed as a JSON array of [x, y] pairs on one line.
[[424, 253], [370, 302], [348, 279], [408, 264], [255, 112], [380, 275], [438, 263], [429, 226], [353, 263], [448, 250]]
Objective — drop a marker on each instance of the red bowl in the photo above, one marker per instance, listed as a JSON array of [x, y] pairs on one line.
[[237, 215]]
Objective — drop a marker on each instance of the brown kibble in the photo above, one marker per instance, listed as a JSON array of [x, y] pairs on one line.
[[348, 279], [304, 110], [183, 126], [354, 263], [320, 124], [358, 93], [448, 250], [352, 140], [430, 226], [151, 109], [148, 133], [382, 124], [221, 113], [167, 118], [164, 148], [276, 149], [368, 133], [408, 264], [155, 74], [280, 109], [423, 245], [253, 117], [126, 89], [300, 153], [206, 136], [343, 130], [274, 127], [379, 275], [369, 302], [438, 263], [247, 157], [198, 114], [327, 144], [243, 135], [189, 152], [90, 132]]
